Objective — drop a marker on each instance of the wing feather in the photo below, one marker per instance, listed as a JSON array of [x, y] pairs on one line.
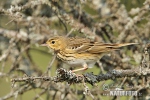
[[83, 45], [100, 47]]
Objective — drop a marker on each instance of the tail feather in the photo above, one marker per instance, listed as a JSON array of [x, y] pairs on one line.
[[106, 47], [113, 47], [125, 44]]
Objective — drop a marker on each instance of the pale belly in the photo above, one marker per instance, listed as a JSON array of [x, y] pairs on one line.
[[78, 61], [81, 62]]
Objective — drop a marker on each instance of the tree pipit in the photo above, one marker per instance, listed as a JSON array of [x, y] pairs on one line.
[[80, 51]]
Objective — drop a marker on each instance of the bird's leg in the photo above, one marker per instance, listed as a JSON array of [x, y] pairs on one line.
[[85, 67]]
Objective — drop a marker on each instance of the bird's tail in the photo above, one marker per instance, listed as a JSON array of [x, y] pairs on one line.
[[124, 44], [107, 47], [111, 47]]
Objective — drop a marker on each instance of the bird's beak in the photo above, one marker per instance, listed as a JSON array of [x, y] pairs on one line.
[[44, 45]]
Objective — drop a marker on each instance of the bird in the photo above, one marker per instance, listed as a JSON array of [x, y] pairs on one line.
[[83, 52]]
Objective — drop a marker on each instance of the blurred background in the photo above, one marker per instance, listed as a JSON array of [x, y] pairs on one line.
[[26, 24]]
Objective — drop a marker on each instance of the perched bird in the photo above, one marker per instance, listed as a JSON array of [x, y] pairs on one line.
[[80, 51]]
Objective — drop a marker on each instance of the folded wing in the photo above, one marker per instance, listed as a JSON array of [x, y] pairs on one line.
[[100, 47]]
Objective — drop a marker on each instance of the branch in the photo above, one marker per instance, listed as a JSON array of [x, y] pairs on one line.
[[67, 76], [63, 75]]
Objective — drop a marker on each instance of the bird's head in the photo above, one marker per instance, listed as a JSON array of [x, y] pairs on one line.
[[56, 43]]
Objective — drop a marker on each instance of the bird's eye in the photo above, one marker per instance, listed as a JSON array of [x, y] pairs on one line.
[[53, 42]]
